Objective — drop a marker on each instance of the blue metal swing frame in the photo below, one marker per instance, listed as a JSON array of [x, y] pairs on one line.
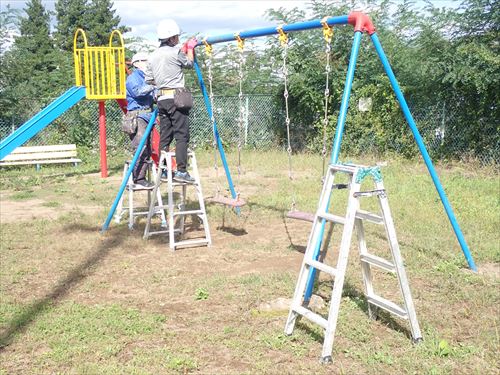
[[362, 24]]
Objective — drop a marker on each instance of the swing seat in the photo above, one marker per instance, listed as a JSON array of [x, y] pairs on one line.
[[300, 215], [232, 202]]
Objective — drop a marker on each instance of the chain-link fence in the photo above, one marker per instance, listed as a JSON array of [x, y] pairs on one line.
[[263, 127]]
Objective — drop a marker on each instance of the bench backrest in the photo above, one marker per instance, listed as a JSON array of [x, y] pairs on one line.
[[41, 153]]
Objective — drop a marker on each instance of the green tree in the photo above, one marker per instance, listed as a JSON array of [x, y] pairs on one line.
[[28, 65], [101, 21], [70, 15], [35, 33]]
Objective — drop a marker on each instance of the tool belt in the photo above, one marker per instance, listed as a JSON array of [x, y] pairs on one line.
[[130, 120], [138, 112], [167, 92]]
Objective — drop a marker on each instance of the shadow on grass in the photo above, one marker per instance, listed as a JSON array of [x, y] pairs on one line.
[[20, 322], [360, 300], [382, 316], [240, 218]]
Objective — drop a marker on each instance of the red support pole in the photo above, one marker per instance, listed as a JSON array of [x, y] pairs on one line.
[[102, 139]]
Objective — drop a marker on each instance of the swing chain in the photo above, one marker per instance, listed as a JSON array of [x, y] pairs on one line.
[[208, 51], [241, 45], [283, 38], [327, 34]]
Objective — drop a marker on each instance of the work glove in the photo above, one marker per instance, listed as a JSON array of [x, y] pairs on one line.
[[191, 43]]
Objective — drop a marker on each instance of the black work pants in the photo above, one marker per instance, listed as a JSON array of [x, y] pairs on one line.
[[141, 167], [174, 123]]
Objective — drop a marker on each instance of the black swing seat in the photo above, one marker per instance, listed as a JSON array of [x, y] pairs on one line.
[[232, 202], [300, 215]]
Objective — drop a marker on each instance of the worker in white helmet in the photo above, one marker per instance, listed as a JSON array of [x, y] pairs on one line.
[[140, 98], [165, 72]]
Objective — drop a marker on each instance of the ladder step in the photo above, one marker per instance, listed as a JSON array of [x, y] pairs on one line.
[[378, 262], [344, 168], [176, 230], [313, 317], [333, 218], [387, 305], [368, 216], [192, 212], [191, 242], [369, 193], [322, 267]]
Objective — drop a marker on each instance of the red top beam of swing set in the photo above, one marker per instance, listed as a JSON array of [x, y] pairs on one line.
[[359, 20]]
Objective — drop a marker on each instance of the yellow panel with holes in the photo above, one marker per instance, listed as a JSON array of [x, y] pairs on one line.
[[100, 69]]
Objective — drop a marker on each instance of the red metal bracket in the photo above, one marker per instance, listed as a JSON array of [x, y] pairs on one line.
[[361, 22]]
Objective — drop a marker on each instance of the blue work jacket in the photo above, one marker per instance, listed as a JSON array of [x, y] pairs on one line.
[[140, 95]]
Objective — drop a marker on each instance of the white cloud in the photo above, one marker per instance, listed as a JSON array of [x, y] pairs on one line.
[[207, 18], [198, 17]]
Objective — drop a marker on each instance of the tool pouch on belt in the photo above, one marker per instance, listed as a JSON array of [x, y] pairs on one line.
[[183, 99], [130, 122]]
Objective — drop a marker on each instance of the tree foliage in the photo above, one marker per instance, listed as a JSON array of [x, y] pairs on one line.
[[440, 55], [70, 15]]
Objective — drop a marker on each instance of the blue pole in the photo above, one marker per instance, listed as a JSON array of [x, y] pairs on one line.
[[130, 169], [298, 26], [423, 151], [336, 145], [216, 131]]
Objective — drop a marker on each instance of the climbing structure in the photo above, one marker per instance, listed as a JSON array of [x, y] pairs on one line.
[[100, 74]]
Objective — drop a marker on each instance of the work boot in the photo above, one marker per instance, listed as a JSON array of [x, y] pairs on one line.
[[183, 177]]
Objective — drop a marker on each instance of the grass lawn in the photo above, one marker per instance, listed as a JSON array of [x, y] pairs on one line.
[[75, 301]]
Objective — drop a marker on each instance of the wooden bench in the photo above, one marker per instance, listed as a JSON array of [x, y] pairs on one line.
[[38, 155]]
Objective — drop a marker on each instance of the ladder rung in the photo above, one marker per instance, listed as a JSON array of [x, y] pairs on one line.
[[191, 242], [150, 233], [378, 262], [178, 183], [192, 212], [369, 193], [333, 218], [322, 267], [387, 305], [368, 216], [344, 168], [313, 317]]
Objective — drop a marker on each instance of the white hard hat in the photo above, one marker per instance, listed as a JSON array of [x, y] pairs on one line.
[[139, 56], [168, 28]]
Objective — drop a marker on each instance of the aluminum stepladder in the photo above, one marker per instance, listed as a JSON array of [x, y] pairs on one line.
[[354, 218], [133, 211], [176, 212]]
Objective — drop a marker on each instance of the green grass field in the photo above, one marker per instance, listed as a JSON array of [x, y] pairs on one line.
[[74, 301]]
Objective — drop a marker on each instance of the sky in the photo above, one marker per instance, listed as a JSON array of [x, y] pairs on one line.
[[205, 17], [202, 17]]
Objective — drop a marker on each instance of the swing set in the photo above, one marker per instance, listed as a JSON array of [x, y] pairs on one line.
[[362, 24]]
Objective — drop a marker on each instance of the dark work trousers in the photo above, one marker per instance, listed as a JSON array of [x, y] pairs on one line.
[[174, 124], [141, 167]]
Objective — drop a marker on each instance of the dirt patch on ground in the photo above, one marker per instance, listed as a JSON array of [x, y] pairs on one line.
[[490, 270], [12, 211]]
